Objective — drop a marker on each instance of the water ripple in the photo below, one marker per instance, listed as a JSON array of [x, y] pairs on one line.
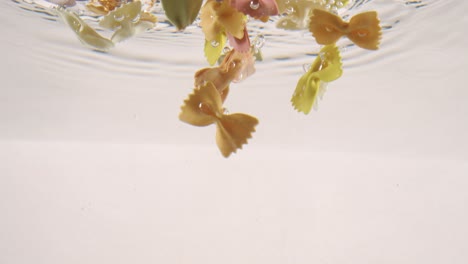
[[152, 52]]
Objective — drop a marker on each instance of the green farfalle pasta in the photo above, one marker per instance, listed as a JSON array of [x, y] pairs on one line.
[[327, 67]]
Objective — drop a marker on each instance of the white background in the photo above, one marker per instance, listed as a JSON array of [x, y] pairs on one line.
[[96, 168]]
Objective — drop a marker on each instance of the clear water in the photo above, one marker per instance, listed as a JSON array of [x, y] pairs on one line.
[[133, 93], [95, 166]]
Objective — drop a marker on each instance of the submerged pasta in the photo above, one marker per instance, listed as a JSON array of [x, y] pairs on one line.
[[363, 29], [204, 107], [224, 24]]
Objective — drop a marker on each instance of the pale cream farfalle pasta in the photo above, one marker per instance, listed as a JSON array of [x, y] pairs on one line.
[[126, 21]]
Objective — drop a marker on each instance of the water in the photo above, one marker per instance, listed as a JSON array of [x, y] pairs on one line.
[[133, 93], [95, 166]]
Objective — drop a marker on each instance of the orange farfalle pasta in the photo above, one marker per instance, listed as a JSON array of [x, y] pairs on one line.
[[363, 29], [204, 107]]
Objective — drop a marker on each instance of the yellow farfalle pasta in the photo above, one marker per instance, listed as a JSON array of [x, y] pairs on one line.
[[220, 18], [204, 107], [363, 29], [213, 49], [326, 67]]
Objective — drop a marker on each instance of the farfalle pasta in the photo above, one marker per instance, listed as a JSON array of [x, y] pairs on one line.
[[363, 29], [327, 67], [221, 18], [225, 26], [205, 107], [126, 21]]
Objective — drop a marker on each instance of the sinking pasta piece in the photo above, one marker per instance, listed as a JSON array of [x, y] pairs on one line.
[[125, 21], [327, 67], [218, 17], [235, 67], [86, 34], [259, 9], [181, 13], [245, 61], [204, 107], [363, 29], [233, 131], [221, 77]]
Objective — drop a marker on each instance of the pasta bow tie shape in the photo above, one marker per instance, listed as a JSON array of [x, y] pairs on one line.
[[363, 29], [221, 18], [126, 21], [204, 107], [325, 68]]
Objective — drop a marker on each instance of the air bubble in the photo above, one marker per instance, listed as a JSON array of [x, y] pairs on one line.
[[205, 108], [136, 19], [259, 41], [362, 33], [254, 4], [233, 65], [119, 17], [323, 56]]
